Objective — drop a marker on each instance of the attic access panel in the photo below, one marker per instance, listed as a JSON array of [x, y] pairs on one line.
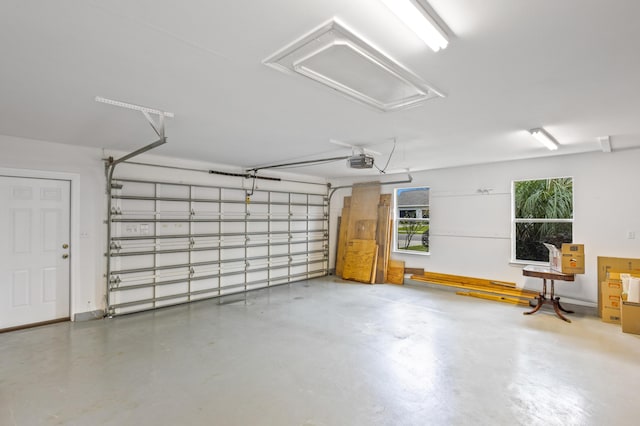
[[338, 58]]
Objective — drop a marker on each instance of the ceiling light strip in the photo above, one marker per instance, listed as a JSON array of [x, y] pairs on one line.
[[544, 138], [416, 14]]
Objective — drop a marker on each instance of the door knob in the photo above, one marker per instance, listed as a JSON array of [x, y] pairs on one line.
[[65, 256], [65, 246]]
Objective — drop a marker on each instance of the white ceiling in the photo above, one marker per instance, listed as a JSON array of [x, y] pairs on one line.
[[572, 66]]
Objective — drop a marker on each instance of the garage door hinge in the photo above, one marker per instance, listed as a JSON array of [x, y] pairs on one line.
[[114, 282]]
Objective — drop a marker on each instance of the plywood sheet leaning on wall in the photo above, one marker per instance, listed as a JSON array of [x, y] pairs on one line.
[[359, 221], [365, 229], [359, 260], [395, 272], [341, 247], [382, 238], [363, 215]]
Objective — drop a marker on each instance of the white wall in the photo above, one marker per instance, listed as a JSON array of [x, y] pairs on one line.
[[20, 153], [88, 288], [470, 232]]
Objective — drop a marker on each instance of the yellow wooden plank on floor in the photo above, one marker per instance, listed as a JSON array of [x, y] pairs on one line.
[[495, 298], [504, 291], [467, 280]]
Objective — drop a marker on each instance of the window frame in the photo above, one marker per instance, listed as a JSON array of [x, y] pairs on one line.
[[397, 218], [515, 220]]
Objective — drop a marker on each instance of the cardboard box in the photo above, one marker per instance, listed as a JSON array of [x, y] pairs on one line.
[[568, 260], [630, 315], [615, 275], [618, 264], [555, 257], [611, 315], [610, 292], [572, 258]]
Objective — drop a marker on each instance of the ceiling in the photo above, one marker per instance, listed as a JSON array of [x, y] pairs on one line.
[[571, 66]]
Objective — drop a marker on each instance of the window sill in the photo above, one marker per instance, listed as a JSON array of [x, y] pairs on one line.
[[515, 262], [419, 253]]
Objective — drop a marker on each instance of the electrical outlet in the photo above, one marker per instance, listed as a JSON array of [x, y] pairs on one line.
[[631, 235]]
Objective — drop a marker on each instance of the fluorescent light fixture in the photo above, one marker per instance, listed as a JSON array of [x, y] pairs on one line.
[[544, 138], [605, 143], [133, 107], [419, 17]]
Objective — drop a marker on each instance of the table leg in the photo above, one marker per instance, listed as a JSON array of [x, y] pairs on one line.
[[556, 307], [556, 304], [541, 299], [561, 308]]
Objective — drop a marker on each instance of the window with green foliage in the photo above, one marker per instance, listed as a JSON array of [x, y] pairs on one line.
[[542, 213], [412, 220]]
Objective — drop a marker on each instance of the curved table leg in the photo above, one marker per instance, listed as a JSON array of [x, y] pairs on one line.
[[540, 300], [556, 307], [561, 308]]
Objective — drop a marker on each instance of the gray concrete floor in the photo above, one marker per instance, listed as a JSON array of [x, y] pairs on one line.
[[324, 352]]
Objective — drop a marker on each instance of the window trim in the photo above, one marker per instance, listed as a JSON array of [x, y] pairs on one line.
[[396, 219], [515, 220]]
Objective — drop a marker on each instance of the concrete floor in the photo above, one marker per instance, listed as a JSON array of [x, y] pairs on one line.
[[324, 352]]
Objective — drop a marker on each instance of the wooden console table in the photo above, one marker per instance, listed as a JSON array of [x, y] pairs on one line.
[[546, 273]]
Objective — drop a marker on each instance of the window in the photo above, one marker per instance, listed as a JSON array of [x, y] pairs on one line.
[[542, 213], [412, 220]]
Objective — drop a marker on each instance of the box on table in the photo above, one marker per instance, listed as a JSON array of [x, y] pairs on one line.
[[630, 315], [572, 258], [569, 259], [555, 257]]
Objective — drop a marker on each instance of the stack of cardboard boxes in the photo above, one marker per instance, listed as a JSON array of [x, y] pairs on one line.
[[610, 293], [619, 296], [616, 306]]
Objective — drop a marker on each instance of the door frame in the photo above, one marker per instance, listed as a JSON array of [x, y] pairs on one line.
[[74, 223]]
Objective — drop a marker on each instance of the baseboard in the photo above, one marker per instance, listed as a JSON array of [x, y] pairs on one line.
[[87, 316]]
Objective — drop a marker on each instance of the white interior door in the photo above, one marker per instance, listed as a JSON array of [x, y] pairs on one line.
[[34, 250]]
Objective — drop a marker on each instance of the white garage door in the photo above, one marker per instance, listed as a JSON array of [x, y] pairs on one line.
[[174, 243]]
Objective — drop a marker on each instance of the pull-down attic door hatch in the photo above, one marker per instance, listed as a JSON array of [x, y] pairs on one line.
[[336, 57]]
